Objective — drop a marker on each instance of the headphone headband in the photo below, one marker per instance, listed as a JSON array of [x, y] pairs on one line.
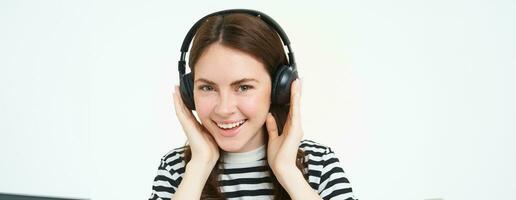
[[268, 20], [281, 81]]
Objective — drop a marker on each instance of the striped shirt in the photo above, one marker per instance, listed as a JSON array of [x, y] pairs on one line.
[[245, 175]]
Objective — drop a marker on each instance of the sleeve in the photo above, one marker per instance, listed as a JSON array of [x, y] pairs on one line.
[[334, 185], [168, 177]]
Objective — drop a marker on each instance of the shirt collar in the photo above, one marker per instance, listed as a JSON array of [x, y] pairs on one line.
[[244, 157]]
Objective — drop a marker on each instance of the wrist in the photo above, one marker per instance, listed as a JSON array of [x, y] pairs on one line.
[[284, 170], [200, 166], [296, 185], [195, 177], [285, 174]]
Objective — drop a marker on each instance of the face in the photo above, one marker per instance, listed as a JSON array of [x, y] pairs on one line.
[[232, 97]]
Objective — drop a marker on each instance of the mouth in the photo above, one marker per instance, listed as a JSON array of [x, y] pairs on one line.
[[230, 129]]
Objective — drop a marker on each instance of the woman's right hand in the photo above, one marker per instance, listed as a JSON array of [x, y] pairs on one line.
[[204, 148]]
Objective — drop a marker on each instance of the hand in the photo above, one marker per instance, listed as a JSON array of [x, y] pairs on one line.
[[282, 150], [204, 148]]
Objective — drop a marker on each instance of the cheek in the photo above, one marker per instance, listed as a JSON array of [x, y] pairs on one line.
[[257, 105], [203, 107]]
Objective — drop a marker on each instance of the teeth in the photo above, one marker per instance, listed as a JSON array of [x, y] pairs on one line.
[[229, 126]]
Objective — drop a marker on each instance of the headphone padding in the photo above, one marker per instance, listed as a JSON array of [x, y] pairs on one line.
[[280, 94], [186, 87]]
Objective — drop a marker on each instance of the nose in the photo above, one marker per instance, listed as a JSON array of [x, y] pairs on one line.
[[226, 104]]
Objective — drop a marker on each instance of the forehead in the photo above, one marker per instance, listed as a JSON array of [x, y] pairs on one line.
[[222, 65]]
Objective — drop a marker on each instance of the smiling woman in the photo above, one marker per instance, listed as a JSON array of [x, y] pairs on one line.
[[229, 71], [249, 141]]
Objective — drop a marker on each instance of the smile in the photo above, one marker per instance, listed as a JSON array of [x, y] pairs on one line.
[[227, 126]]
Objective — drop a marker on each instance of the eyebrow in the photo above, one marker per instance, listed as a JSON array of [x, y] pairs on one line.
[[232, 84]]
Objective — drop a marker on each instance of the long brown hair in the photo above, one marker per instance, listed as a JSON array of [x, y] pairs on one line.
[[250, 35]]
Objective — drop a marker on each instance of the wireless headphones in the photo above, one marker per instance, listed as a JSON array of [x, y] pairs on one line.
[[284, 75]]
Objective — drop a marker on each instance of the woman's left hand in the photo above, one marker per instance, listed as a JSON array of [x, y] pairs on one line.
[[282, 149]]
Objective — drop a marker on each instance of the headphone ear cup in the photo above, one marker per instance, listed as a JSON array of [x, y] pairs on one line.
[[186, 89], [280, 94]]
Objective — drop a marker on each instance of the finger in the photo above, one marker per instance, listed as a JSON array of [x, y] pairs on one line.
[[184, 114], [272, 128], [178, 108], [295, 99], [177, 104]]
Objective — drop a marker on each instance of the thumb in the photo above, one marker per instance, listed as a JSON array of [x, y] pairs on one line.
[[271, 127]]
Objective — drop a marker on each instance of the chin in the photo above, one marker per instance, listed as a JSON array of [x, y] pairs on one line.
[[230, 146]]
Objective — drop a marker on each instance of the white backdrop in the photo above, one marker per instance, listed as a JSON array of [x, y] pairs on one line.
[[413, 96]]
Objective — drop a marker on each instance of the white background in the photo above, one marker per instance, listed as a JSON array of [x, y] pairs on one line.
[[413, 96]]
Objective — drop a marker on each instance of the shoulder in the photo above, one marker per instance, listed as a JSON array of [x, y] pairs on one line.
[[313, 148], [318, 155], [325, 174], [173, 159], [169, 174]]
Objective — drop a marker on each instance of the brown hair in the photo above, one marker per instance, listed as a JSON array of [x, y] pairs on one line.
[[253, 36]]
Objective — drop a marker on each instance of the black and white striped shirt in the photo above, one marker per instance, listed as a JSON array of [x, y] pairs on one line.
[[245, 175]]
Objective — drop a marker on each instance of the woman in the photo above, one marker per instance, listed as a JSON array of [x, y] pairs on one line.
[[245, 145]]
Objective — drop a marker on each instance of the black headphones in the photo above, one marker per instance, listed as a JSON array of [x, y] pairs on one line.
[[283, 78]]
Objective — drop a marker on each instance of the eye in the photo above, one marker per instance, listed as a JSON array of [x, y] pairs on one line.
[[243, 88], [205, 88]]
